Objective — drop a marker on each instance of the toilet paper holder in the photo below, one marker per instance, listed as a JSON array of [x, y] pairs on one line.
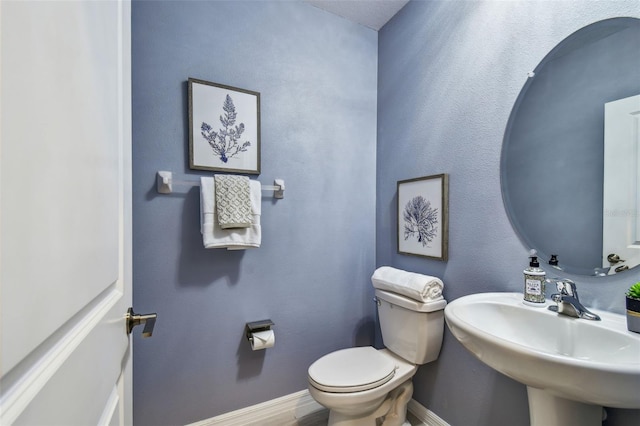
[[256, 326]]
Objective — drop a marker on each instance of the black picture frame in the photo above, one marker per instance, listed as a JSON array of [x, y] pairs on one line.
[[423, 216], [224, 128]]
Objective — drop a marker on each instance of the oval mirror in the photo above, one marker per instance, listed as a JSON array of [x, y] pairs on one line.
[[560, 196]]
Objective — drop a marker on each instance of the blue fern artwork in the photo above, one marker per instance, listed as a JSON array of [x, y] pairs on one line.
[[226, 142], [420, 220]]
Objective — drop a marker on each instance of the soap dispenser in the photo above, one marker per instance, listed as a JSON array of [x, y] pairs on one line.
[[553, 262], [534, 280]]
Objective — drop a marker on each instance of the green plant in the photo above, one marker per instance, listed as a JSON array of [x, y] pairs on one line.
[[634, 291]]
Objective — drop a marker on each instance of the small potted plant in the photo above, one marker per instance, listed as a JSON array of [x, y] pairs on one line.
[[633, 308]]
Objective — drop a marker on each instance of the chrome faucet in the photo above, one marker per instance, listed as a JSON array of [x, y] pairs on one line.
[[567, 301]]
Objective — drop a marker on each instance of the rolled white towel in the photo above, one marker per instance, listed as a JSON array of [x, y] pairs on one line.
[[423, 288]]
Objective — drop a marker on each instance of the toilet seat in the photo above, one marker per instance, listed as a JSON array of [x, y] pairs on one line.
[[351, 370]]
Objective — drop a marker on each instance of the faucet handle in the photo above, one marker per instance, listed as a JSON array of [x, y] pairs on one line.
[[567, 287], [562, 288]]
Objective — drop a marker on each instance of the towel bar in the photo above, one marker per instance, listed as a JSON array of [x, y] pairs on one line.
[[165, 182]]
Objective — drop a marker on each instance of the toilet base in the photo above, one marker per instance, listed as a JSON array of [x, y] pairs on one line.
[[393, 409]]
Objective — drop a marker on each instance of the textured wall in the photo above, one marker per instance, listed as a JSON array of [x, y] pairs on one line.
[[449, 73], [317, 77]]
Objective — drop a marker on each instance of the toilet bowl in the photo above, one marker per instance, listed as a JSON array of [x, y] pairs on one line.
[[355, 383], [360, 385]]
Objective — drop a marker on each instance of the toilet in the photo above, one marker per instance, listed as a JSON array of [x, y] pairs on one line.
[[362, 384]]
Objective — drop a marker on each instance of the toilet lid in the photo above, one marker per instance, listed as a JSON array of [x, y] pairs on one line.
[[351, 370]]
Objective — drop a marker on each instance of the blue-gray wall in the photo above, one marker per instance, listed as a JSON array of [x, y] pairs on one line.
[[317, 77], [449, 73]]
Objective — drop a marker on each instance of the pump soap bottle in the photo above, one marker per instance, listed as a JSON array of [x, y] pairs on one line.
[[534, 280]]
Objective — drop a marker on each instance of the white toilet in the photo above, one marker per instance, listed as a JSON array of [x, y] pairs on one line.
[[360, 385]]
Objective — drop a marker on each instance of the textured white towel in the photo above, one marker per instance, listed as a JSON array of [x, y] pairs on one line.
[[233, 201], [213, 236], [423, 288]]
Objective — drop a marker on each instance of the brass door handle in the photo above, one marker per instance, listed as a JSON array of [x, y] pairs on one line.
[[149, 320], [614, 258]]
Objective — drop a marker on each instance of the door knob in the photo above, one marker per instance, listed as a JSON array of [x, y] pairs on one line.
[[614, 258], [132, 319]]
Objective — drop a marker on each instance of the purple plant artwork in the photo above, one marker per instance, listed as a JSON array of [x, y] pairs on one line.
[[420, 220], [226, 142]]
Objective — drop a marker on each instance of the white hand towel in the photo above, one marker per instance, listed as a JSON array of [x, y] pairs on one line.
[[423, 288], [213, 236]]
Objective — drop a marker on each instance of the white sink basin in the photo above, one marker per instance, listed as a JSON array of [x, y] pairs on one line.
[[591, 362]]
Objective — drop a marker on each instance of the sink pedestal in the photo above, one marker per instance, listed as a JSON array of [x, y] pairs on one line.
[[549, 410]]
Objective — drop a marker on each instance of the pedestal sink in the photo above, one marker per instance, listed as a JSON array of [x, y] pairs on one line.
[[572, 367]]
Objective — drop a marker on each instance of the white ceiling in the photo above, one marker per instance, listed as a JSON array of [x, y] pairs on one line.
[[370, 13]]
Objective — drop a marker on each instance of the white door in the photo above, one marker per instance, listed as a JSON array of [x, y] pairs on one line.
[[621, 198], [65, 217]]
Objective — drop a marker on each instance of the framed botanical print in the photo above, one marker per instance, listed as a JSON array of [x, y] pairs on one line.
[[423, 216], [224, 128]]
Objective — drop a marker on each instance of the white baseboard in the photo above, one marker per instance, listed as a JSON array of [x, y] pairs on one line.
[[286, 410], [424, 415], [290, 409]]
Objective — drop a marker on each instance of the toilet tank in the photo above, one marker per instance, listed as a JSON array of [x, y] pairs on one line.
[[411, 329]]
